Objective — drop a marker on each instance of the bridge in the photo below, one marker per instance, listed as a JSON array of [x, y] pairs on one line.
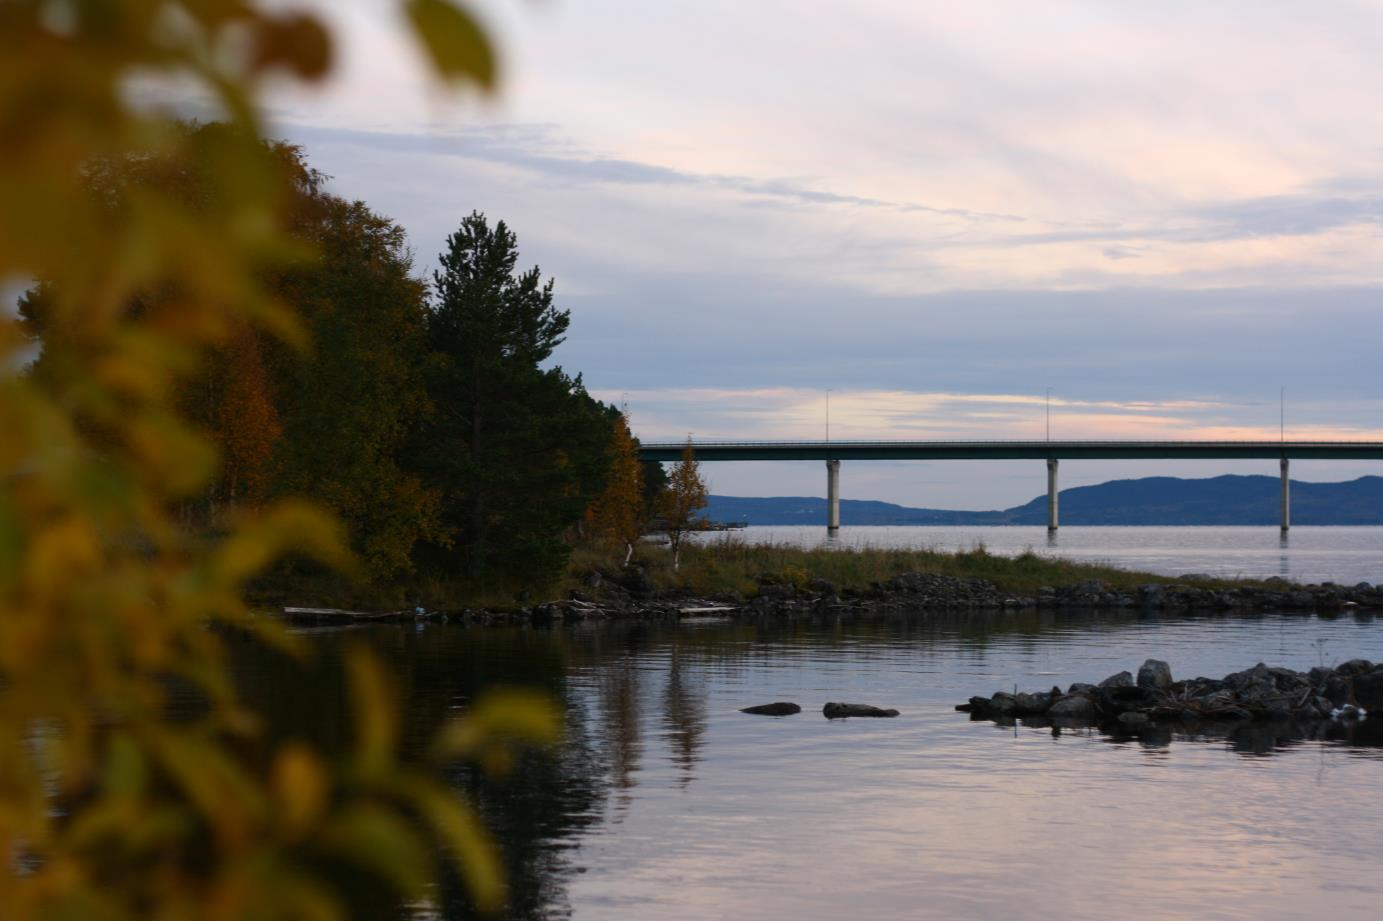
[[1053, 452]]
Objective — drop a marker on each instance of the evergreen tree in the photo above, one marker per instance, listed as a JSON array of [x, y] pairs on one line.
[[516, 450]]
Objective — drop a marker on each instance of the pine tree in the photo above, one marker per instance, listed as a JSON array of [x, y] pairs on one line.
[[515, 450], [684, 496]]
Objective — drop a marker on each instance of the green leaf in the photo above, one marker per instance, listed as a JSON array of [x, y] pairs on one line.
[[456, 45]]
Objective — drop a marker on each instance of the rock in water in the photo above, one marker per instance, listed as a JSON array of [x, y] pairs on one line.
[[781, 708], [838, 711], [1121, 680], [1074, 707], [1155, 674]]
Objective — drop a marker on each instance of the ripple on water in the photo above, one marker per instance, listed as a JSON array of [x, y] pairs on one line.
[[665, 802]]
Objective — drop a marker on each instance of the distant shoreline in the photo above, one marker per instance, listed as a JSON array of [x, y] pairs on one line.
[[1223, 501]]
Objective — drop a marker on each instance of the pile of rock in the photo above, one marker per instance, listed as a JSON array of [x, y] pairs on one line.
[[1347, 691], [1280, 595]]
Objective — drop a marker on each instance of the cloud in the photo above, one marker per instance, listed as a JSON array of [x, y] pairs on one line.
[[543, 151], [776, 413]]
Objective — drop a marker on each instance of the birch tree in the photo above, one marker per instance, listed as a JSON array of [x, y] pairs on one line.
[[679, 503]]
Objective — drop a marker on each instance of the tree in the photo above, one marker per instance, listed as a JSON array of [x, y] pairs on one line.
[[684, 496], [349, 408], [247, 422], [617, 516], [515, 450], [114, 805], [330, 423]]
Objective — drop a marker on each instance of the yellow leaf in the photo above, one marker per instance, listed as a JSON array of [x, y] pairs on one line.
[[511, 716], [461, 830], [300, 787], [453, 41]]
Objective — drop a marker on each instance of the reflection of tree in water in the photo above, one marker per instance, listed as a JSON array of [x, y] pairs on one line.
[[536, 814], [541, 812], [684, 713], [619, 686]]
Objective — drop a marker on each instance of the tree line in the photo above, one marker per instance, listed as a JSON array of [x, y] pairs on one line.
[[426, 414]]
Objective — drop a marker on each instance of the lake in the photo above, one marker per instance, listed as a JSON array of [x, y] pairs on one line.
[[664, 802], [1346, 555]]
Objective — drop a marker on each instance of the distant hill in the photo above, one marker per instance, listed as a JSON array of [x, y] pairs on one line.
[[1223, 500]]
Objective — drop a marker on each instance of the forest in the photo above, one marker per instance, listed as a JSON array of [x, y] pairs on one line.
[[426, 414]]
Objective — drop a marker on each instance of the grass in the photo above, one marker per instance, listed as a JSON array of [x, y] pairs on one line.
[[730, 564]]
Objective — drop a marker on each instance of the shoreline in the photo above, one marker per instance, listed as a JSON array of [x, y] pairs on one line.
[[734, 578], [911, 593]]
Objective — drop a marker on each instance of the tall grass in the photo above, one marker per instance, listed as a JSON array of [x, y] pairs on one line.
[[730, 564]]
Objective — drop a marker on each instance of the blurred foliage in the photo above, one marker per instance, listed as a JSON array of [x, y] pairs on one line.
[[328, 423], [110, 807]]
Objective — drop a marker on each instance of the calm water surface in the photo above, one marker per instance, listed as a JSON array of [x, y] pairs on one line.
[[666, 803], [1307, 554]]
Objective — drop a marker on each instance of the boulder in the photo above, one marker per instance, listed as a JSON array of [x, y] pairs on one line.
[[1354, 667], [1032, 704], [1368, 690], [838, 711], [1121, 680], [1073, 706], [1155, 674], [1119, 698], [780, 708], [776, 590]]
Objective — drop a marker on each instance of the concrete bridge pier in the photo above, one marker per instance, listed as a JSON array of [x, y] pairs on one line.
[[1286, 497], [1051, 494], [832, 496]]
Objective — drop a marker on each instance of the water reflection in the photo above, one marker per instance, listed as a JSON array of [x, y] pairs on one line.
[[1247, 738], [664, 800], [684, 713], [620, 697]]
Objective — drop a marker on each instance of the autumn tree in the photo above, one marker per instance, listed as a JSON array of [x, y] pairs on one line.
[[330, 422], [617, 516], [680, 500], [515, 449], [114, 802], [350, 406], [247, 422]]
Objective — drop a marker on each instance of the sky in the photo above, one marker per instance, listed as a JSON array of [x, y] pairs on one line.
[[1166, 214]]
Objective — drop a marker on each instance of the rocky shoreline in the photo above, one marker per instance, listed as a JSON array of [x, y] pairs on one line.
[[1347, 692], [631, 595]]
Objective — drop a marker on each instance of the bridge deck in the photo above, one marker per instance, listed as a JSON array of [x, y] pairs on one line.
[[1001, 450]]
